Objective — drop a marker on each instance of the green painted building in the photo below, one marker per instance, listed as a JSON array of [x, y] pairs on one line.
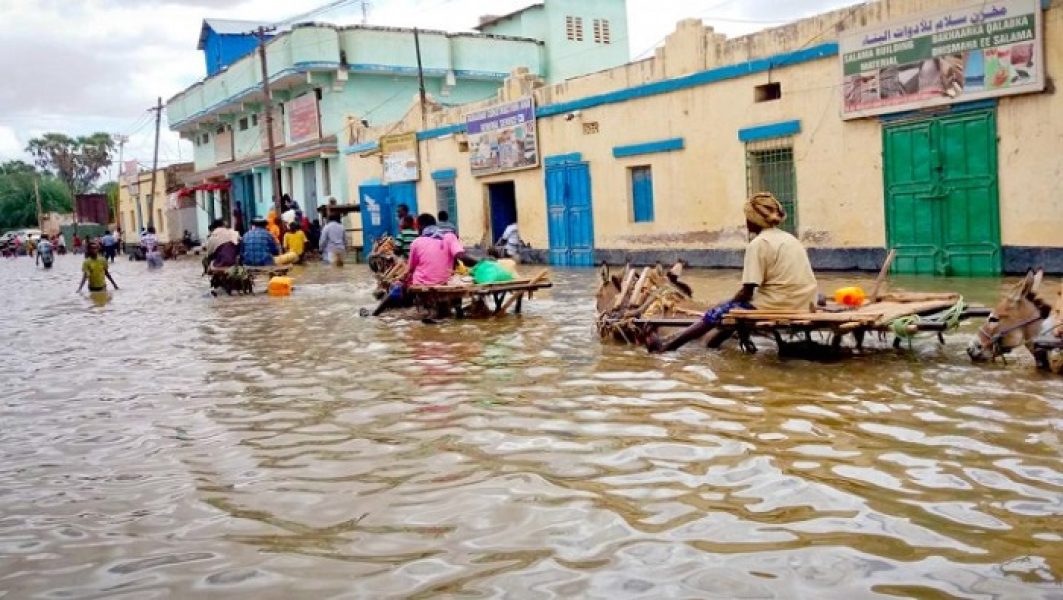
[[324, 75]]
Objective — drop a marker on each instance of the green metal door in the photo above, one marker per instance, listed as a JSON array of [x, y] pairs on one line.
[[942, 212]]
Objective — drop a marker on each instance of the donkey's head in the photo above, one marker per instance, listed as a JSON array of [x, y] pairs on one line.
[[1015, 321], [608, 289]]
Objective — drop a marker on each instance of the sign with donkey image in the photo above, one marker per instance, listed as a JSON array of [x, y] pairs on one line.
[[984, 50]]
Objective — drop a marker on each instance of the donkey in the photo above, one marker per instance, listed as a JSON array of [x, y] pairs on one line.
[[1020, 318]]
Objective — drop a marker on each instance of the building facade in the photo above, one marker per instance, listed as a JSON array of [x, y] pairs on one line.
[[323, 78], [170, 212], [651, 161]]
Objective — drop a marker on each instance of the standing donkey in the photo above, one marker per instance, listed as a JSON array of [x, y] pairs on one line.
[[1021, 318]]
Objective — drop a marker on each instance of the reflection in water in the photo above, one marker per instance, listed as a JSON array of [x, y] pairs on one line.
[[167, 441]]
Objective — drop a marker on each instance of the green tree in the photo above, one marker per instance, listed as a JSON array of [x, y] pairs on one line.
[[18, 204], [13, 167], [77, 162], [110, 189]]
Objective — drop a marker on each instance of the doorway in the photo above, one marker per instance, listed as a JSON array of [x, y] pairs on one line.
[[502, 207], [568, 202], [942, 206]]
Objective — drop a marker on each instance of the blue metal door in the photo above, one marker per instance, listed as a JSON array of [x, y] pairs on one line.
[[571, 219], [404, 193], [378, 215], [557, 218], [580, 221]]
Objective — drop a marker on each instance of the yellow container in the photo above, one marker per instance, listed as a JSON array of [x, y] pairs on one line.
[[280, 286], [850, 296]]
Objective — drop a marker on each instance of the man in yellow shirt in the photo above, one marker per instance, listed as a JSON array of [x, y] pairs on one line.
[[94, 271], [294, 243], [776, 274]]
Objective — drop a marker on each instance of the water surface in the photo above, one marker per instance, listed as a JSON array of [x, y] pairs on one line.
[[164, 443]]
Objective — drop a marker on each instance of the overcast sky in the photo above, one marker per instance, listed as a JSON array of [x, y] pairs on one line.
[[79, 66]]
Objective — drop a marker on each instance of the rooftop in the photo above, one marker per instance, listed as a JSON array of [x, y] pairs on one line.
[[229, 27], [487, 21]]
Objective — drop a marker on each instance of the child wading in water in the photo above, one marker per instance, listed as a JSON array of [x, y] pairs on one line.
[[94, 271]]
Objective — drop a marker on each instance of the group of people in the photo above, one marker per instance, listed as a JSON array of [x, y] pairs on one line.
[[272, 241]]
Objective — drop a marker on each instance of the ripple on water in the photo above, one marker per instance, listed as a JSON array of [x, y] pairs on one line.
[[167, 444]]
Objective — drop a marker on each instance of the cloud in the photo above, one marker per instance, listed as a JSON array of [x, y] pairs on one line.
[[80, 66], [10, 146]]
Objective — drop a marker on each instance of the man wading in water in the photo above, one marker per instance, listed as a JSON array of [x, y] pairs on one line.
[[776, 274]]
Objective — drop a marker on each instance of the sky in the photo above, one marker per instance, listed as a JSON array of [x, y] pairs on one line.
[[81, 66]]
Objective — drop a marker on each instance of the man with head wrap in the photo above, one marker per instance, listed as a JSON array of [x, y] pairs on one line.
[[776, 274]]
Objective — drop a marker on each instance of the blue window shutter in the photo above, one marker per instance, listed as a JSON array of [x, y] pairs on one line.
[[642, 194]]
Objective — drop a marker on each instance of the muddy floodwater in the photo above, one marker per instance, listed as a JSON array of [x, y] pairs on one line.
[[161, 443]]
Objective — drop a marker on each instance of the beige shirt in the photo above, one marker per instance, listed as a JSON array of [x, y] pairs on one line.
[[220, 236], [778, 264]]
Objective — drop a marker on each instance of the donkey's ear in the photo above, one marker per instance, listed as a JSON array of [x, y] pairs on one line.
[[1023, 288], [603, 272], [616, 282], [1038, 277]]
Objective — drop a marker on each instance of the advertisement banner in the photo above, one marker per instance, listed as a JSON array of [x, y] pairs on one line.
[[503, 138], [984, 50], [303, 123], [400, 157]]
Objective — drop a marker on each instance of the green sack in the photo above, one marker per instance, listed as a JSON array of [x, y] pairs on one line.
[[490, 272]]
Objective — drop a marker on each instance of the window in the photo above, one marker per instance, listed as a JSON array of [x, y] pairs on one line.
[[641, 179], [767, 92], [770, 168], [601, 32], [574, 28], [220, 130], [326, 177], [205, 139], [243, 124], [447, 198], [254, 120]]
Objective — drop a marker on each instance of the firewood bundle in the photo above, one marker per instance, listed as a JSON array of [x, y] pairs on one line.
[[638, 295]]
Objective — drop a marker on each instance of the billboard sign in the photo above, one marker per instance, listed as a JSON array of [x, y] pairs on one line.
[[400, 157], [984, 50], [503, 138], [303, 123]]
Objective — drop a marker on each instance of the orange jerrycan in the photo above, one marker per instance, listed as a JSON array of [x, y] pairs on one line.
[[850, 296], [280, 286]]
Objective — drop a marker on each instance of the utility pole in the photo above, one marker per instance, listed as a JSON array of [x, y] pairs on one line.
[[365, 12], [420, 76], [122, 141], [37, 193], [274, 174], [154, 164]]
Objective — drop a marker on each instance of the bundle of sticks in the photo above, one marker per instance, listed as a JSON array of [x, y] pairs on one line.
[[649, 293]]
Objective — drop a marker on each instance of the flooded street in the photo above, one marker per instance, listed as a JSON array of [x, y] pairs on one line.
[[165, 443]]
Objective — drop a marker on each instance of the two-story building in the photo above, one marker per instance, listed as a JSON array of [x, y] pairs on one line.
[[929, 127], [325, 77]]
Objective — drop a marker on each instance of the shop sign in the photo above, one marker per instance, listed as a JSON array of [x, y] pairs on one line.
[[303, 122], [503, 138], [984, 50], [400, 157]]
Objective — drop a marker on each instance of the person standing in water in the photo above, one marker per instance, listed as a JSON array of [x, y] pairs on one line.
[[45, 253], [94, 271]]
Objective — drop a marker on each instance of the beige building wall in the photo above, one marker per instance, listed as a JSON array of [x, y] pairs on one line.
[[128, 212], [699, 190]]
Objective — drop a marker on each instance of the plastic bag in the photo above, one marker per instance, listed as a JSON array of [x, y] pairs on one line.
[[490, 272]]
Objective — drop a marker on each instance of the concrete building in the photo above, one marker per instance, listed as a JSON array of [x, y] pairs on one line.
[[325, 77], [169, 213], [951, 159]]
